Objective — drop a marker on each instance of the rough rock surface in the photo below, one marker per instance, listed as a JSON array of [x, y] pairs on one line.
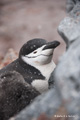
[[67, 74]]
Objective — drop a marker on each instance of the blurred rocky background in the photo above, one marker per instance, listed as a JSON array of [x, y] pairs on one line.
[[22, 20]]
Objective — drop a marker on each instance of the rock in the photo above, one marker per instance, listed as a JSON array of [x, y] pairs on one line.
[[67, 28], [67, 73], [73, 8], [70, 5]]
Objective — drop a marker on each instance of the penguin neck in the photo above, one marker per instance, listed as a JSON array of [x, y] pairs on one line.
[[30, 69], [26, 65], [46, 69]]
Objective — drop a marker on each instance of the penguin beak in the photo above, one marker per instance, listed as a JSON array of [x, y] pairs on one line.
[[51, 45]]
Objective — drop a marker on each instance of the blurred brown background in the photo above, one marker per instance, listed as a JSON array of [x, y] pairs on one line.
[[22, 20]]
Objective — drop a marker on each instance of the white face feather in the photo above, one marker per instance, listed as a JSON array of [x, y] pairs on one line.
[[39, 57]]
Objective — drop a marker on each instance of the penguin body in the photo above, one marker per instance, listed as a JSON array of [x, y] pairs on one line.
[[15, 94], [35, 63]]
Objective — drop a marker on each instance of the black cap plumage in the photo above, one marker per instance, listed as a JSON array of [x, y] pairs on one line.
[[31, 45]]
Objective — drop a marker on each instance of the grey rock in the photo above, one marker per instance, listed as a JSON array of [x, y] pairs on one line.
[[73, 8], [67, 77], [71, 4], [69, 30], [67, 73]]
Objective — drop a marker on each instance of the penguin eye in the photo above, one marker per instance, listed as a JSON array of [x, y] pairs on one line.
[[35, 52]]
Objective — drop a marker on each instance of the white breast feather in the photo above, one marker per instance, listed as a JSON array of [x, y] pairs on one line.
[[46, 70]]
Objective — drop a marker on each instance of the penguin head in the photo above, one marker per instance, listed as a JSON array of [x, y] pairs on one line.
[[37, 51]]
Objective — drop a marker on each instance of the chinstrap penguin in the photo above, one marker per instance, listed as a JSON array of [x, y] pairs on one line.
[[15, 94], [35, 63]]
